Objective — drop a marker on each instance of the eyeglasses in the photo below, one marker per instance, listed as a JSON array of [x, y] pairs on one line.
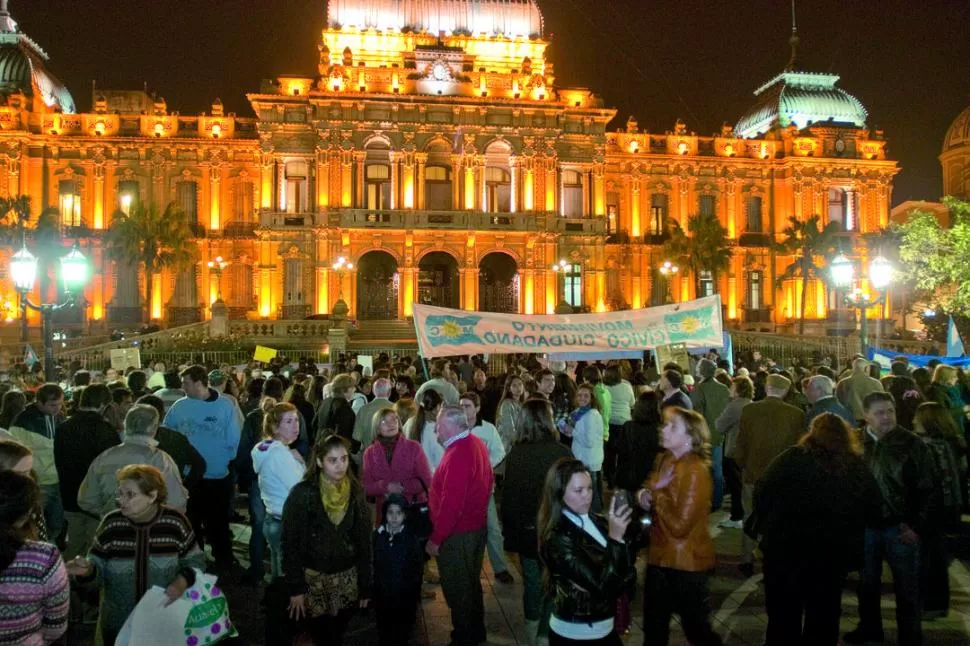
[[127, 495]]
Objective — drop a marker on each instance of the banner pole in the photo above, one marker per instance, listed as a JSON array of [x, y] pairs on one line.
[[424, 367]]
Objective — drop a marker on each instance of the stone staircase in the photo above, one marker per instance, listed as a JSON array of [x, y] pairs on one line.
[[383, 333]]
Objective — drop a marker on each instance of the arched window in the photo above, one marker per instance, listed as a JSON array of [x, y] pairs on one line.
[[437, 188], [498, 190], [69, 202], [572, 194], [295, 196]]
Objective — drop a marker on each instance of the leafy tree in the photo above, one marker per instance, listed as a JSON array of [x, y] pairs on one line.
[[934, 257], [810, 243], [705, 246], [152, 240]]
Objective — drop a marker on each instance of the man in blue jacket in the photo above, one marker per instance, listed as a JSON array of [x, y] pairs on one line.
[[212, 427]]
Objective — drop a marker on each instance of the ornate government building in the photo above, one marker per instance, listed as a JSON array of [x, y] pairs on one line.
[[436, 158]]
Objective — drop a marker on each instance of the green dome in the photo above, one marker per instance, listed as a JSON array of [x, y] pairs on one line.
[[802, 99], [23, 67]]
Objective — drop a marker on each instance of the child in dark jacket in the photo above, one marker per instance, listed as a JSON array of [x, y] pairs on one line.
[[398, 571]]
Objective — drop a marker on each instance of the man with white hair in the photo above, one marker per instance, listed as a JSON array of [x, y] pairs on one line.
[[364, 423], [852, 390], [766, 429], [97, 492], [820, 392], [458, 501]]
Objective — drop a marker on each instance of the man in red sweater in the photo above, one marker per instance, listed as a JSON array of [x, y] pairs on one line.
[[458, 500]]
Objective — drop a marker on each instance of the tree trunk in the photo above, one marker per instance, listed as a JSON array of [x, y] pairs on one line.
[[149, 284], [801, 321]]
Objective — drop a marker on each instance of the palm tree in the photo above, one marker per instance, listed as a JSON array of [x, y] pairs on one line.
[[14, 214], [705, 246], [151, 239], [809, 242]]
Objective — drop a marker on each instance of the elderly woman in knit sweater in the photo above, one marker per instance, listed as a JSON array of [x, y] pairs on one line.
[[141, 544]]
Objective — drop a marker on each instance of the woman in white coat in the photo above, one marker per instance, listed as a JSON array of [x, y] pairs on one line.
[[585, 426]]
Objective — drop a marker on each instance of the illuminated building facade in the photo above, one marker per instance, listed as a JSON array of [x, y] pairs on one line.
[[436, 155]]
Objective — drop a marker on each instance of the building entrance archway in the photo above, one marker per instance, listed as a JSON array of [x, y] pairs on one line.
[[377, 286], [438, 280], [498, 284]]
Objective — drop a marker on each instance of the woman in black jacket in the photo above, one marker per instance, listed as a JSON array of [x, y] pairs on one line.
[[326, 541], [589, 563], [639, 443], [812, 506], [536, 448]]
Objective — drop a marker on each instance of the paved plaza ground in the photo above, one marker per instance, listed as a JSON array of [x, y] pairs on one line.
[[738, 604]]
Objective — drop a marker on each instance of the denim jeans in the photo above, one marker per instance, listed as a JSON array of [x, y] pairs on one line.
[[257, 517], [273, 531], [904, 562], [53, 512], [537, 605], [717, 473], [496, 551]]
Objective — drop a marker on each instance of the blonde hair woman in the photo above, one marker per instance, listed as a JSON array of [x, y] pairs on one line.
[[678, 494]]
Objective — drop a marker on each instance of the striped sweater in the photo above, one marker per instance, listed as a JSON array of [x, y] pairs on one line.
[[34, 596], [129, 558]]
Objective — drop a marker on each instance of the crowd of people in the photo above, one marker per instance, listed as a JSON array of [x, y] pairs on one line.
[[362, 484]]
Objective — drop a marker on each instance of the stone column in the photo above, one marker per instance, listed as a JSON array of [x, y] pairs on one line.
[[359, 158]]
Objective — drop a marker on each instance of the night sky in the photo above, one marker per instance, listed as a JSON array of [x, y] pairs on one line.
[[908, 61]]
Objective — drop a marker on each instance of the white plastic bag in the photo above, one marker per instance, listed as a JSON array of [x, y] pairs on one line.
[[198, 618]]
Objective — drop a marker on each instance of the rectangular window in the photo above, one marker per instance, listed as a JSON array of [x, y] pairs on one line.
[[498, 190], [296, 187], [437, 188], [186, 196], [707, 205], [705, 286], [243, 202], [378, 193], [572, 194], [69, 199], [755, 291], [753, 224], [573, 283], [612, 211], [658, 214]]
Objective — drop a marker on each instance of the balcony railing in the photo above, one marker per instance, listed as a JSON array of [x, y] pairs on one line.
[[239, 230], [758, 315], [464, 220]]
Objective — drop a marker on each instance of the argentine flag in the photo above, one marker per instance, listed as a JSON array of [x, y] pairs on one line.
[[954, 344]]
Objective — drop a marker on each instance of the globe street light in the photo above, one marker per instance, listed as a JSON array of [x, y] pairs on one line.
[[216, 265], [668, 270], [880, 276], [74, 273]]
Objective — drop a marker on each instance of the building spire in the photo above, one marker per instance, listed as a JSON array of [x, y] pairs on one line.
[[793, 41]]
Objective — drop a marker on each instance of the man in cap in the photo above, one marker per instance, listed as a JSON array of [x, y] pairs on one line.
[[766, 429]]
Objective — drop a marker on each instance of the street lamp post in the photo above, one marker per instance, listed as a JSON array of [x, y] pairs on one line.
[[340, 266], [216, 265], [74, 272], [668, 270], [880, 275]]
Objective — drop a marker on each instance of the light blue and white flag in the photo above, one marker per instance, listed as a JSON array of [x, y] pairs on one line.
[[954, 344]]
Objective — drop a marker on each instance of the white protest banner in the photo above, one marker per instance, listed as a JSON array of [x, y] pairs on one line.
[[446, 332], [124, 358]]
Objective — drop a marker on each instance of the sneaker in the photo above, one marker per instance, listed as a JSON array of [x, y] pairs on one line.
[[727, 523], [504, 577], [859, 636], [747, 569]]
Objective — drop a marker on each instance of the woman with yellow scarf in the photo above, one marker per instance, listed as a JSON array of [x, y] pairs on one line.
[[326, 541]]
